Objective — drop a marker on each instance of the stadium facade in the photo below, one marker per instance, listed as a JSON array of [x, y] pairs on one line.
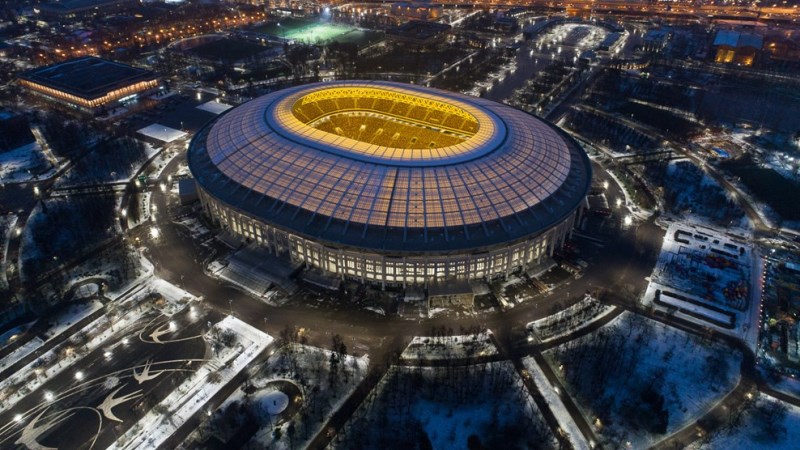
[[391, 183], [90, 84]]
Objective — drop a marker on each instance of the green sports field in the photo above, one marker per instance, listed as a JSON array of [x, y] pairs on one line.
[[312, 32]]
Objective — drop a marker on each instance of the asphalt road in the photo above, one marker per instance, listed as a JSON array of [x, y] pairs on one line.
[[109, 367]]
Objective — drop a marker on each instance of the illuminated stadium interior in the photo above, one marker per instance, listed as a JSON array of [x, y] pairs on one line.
[[305, 172], [387, 119]]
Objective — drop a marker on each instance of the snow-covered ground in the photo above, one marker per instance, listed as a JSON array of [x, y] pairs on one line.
[[440, 407], [569, 320], [105, 265], [769, 424], [8, 225], [321, 399], [20, 352], [450, 347], [639, 380], [73, 314], [693, 195], [58, 324], [708, 276], [8, 336], [788, 384], [175, 298], [187, 399], [20, 165], [307, 368], [197, 229], [564, 418], [161, 161], [98, 167], [144, 211], [784, 164]]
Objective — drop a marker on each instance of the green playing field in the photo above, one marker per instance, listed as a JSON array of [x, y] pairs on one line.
[[317, 32]]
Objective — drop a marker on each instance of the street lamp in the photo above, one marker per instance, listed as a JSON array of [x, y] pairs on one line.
[[283, 31]]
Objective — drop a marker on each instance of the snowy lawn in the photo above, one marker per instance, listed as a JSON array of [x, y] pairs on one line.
[[110, 161], [447, 407], [325, 388], [450, 347], [258, 401], [61, 229], [769, 423], [21, 352], [24, 164], [8, 224], [565, 420], [73, 314], [689, 190], [569, 320], [57, 324], [642, 379]]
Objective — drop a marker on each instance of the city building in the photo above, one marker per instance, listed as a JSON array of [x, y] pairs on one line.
[[419, 32], [71, 9], [656, 40], [782, 45], [391, 183], [90, 84], [416, 10], [735, 47]]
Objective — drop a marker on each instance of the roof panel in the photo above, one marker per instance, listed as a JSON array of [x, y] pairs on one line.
[[513, 163]]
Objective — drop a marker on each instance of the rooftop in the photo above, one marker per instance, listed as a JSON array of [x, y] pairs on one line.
[[737, 39], [517, 175], [88, 77]]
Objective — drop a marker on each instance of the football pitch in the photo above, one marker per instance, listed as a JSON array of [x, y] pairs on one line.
[[319, 32], [316, 32]]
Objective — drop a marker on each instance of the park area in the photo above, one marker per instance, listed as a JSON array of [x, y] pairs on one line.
[[284, 402], [768, 186], [475, 406], [637, 380], [762, 422], [315, 32]]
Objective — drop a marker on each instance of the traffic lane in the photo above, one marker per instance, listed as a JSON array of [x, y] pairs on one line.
[[115, 361]]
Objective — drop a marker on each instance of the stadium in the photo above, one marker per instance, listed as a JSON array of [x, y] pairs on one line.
[[391, 183]]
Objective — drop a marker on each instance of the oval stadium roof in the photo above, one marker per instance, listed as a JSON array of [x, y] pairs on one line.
[[391, 166]]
